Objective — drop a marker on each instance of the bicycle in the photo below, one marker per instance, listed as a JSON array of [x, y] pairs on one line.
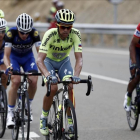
[[133, 114], [3, 106], [19, 119], [58, 119]]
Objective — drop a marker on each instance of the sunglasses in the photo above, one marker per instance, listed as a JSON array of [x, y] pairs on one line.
[[2, 32], [64, 27], [24, 33]]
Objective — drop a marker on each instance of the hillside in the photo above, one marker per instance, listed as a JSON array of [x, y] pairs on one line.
[[87, 11]]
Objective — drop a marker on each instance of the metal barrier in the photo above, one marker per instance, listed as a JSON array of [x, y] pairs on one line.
[[113, 29]]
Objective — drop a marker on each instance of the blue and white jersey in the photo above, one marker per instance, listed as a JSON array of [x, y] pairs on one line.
[[21, 47]]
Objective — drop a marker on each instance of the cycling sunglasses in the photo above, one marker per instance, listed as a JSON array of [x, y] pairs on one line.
[[64, 27], [24, 33], [2, 32]]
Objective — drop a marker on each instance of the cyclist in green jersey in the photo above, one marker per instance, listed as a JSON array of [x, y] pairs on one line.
[[2, 16], [54, 55]]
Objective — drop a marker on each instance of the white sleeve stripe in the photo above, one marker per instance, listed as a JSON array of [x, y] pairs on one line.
[[37, 43], [8, 44]]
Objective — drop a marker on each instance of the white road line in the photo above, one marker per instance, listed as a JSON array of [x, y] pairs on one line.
[[32, 135], [108, 51], [105, 78]]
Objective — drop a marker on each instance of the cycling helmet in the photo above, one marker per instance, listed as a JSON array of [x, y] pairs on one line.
[[65, 16], [3, 24], [1, 14], [24, 23]]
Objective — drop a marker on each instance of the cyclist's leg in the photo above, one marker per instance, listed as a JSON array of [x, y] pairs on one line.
[[3, 67], [133, 82], [47, 101], [65, 72], [12, 94], [30, 66]]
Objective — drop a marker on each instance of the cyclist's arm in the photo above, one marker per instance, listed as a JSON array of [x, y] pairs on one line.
[[40, 64], [132, 50], [78, 63], [37, 49], [7, 53]]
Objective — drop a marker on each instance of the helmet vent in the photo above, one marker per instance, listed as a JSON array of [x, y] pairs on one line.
[[63, 16]]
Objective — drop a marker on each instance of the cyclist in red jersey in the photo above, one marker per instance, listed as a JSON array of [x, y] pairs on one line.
[[134, 65]]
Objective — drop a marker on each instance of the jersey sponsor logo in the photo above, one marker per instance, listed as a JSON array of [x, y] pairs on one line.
[[77, 33], [58, 55], [47, 39], [43, 49], [9, 34], [60, 48], [22, 46], [35, 33], [137, 33], [80, 49]]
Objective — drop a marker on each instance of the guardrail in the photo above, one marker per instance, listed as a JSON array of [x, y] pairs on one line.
[[114, 29]]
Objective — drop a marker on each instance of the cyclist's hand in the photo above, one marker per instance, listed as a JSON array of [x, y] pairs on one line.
[[9, 70], [54, 79], [75, 79], [133, 68]]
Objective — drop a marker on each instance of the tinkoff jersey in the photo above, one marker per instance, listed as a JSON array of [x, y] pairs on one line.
[[57, 49]]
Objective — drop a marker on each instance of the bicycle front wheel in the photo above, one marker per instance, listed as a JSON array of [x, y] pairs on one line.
[[52, 123], [3, 110], [133, 115], [68, 133], [25, 121]]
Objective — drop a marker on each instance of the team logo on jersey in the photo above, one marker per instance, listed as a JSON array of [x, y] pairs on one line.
[[9, 34], [137, 33], [35, 33], [65, 71], [32, 65]]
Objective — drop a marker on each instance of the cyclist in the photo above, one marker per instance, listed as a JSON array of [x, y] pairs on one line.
[[134, 66], [2, 16], [3, 24], [54, 55], [18, 51]]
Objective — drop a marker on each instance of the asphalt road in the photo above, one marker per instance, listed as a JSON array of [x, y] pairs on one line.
[[101, 115]]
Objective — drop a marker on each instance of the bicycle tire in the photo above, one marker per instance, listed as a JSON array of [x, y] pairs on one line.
[[3, 110], [66, 134], [17, 120], [25, 123], [133, 115], [52, 123]]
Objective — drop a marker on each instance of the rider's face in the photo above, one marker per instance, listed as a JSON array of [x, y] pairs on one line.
[[2, 33], [64, 30], [22, 35]]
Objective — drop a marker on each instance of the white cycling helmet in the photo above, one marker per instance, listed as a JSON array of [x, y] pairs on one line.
[[3, 24], [24, 23]]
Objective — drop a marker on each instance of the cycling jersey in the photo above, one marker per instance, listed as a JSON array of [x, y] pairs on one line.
[[21, 47], [58, 49], [137, 34], [21, 52]]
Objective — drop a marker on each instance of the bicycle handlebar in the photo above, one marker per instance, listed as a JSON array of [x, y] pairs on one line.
[[22, 74], [88, 81]]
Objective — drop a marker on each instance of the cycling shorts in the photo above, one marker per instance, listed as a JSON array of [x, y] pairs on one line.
[[62, 68], [27, 62], [1, 58]]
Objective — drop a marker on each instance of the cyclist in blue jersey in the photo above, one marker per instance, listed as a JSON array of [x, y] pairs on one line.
[[19, 41], [3, 24]]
